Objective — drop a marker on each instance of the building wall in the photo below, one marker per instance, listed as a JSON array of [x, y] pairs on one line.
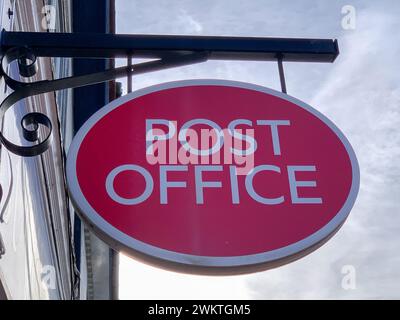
[[36, 226], [3, 295], [48, 253]]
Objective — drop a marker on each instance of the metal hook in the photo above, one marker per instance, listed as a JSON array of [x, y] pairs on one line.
[[281, 73]]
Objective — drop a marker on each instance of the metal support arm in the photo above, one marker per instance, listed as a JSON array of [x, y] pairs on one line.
[[92, 45], [171, 51], [31, 121]]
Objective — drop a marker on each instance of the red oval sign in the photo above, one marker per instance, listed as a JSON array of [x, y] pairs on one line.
[[212, 176]]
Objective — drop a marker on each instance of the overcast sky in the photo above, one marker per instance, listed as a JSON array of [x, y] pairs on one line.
[[360, 93]]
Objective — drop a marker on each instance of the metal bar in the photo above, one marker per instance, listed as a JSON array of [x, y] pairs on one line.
[[281, 74], [44, 86], [129, 75], [160, 46], [26, 89]]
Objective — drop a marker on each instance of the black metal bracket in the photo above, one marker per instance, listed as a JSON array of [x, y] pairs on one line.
[[30, 122], [170, 51]]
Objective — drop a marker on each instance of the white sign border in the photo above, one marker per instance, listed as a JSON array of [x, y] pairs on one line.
[[194, 263]]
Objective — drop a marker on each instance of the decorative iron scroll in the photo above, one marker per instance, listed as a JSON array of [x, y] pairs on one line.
[[30, 122], [27, 65]]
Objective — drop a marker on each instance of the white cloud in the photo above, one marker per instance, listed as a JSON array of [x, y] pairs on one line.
[[362, 96], [189, 23], [360, 92]]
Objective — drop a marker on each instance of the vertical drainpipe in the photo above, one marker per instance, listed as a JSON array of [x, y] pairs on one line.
[[93, 16], [114, 256]]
